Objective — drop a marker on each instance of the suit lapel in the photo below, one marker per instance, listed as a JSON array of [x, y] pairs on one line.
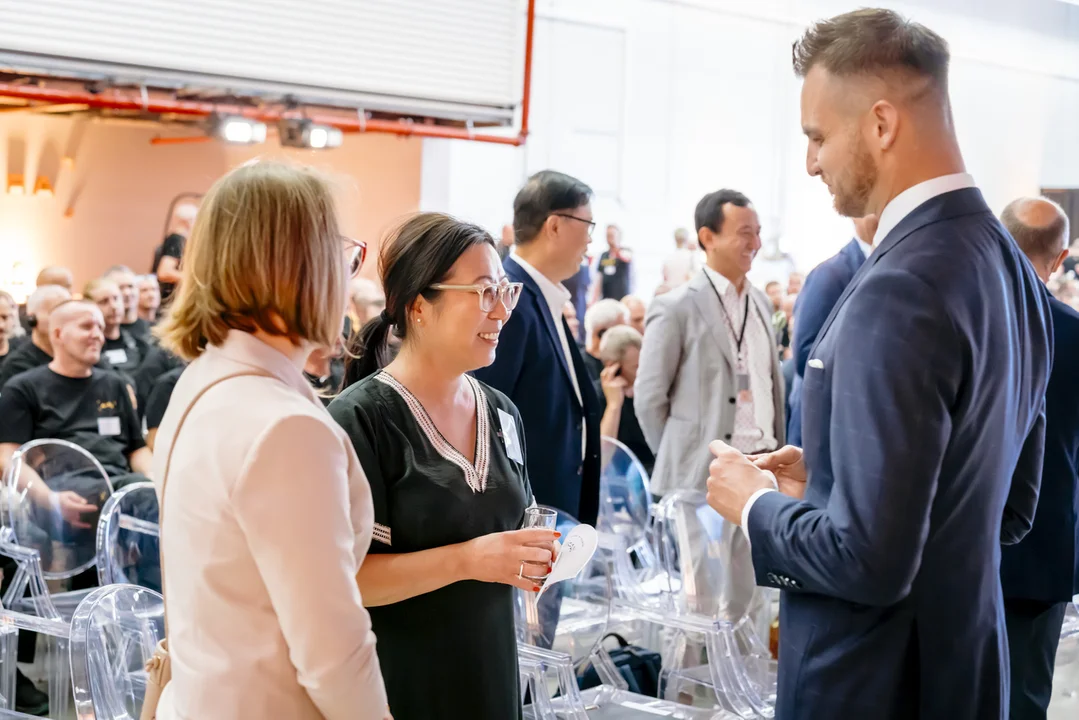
[[707, 304], [517, 273], [942, 207]]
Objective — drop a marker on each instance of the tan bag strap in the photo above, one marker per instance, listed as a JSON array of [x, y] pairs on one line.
[[165, 477]]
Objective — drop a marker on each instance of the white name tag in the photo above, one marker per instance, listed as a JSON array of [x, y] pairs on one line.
[[109, 426], [116, 357], [509, 435], [609, 270]]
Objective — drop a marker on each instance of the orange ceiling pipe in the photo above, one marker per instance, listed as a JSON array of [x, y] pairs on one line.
[[135, 100]]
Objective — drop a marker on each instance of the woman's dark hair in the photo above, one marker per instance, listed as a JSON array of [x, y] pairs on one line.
[[418, 254]]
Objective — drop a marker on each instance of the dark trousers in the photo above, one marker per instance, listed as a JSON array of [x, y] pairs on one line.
[[1033, 636]]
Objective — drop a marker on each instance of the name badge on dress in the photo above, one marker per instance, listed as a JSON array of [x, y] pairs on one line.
[[116, 357], [610, 270], [108, 426], [510, 437]]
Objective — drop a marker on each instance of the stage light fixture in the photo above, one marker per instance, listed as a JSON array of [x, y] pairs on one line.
[[303, 133], [239, 130]]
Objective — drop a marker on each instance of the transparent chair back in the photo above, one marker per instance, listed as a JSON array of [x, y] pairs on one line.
[[66, 542], [1065, 699], [572, 616], [711, 573], [113, 635], [56, 632], [127, 538]]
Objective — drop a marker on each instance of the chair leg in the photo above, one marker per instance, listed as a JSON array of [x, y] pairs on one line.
[[59, 677]]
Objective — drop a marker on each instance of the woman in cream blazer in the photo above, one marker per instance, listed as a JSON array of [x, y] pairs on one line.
[[266, 513]]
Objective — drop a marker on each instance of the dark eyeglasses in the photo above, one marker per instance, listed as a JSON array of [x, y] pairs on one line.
[[591, 225], [490, 293], [356, 253]]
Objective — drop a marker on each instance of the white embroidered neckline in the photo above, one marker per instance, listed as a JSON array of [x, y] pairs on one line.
[[475, 475]]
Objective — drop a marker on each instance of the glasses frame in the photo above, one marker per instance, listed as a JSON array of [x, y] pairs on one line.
[[358, 247], [479, 289], [591, 224]]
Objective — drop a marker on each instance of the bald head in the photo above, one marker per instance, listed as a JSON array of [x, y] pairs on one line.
[[1040, 228], [367, 297], [76, 330], [72, 311], [39, 306], [56, 275]]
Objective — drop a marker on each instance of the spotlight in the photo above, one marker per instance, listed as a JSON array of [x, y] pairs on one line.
[[306, 134], [15, 184], [240, 130]]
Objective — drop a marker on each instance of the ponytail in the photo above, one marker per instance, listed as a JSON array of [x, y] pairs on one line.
[[368, 351]]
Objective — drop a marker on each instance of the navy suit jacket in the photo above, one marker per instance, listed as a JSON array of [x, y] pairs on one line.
[[923, 396], [821, 291], [1045, 565], [530, 368]]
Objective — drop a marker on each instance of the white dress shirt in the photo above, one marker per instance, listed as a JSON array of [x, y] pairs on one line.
[[894, 212], [754, 425], [557, 296], [267, 516]]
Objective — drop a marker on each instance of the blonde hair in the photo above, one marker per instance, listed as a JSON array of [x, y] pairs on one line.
[[265, 253]]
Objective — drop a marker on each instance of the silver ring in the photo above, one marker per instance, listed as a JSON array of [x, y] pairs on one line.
[[521, 572]]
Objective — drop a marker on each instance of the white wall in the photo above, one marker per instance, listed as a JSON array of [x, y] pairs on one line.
[[656, 102]]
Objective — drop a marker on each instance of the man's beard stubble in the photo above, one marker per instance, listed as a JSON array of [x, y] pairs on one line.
[[852, 192]]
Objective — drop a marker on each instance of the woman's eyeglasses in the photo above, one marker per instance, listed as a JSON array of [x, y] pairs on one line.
[[356, 253], [490, 293]]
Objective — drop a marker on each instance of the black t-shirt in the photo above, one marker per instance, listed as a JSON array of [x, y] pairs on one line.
[[1070, 264], [157, 363], [12, 345], [139, 329], [629, 430], [160, 396], [25, 357], [125, 353], [614, 273], [172, 247], [96, 413]]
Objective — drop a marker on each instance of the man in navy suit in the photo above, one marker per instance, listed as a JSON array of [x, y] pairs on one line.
[[538, 364], [922, 397], [1041, 574], [821, 291]]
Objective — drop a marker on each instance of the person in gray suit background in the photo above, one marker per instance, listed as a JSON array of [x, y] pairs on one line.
[[709, 369]]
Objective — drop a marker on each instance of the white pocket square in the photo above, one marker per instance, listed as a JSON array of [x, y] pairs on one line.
[[816, 364]]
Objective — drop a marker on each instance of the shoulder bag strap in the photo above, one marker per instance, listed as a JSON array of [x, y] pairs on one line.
[[165, 477]]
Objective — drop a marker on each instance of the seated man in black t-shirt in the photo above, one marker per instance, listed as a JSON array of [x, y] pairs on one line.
[[158, 402], [37, 351], [123, 351], [71, 399], [130, 323]]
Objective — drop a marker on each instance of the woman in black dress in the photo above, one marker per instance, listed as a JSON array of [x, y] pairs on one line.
[[444, 456]]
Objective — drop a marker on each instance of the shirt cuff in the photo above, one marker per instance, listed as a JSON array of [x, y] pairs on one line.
[[749, 506]]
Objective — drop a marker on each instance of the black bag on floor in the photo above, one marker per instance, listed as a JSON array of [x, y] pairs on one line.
[[639, 667]]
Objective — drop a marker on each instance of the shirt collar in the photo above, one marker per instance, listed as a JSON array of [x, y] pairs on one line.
[[722, 284], [243, 347], [908, 201], [865, 247], [554, 293]]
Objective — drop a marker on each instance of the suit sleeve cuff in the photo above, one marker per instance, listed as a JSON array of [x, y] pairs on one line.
[[749, 506]]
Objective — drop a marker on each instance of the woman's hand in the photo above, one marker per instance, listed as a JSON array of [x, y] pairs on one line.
[[614, 385], [511, 558]]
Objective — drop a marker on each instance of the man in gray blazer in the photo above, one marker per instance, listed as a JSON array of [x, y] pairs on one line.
[[709, 369]]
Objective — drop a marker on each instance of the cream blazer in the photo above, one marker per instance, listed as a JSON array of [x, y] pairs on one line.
[[267, 518]]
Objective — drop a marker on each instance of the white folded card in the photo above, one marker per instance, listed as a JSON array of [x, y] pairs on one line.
[[577, 549]]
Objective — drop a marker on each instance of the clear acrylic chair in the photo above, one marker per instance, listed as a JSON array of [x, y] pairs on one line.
[[113, 635], [57, 631], [712, 585], [127, 538], [1065, 699], [67, 546], [626, 518]]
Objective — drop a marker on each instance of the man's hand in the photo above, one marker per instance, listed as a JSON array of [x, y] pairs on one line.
[[732, 480], [787, 465], [71, 507]]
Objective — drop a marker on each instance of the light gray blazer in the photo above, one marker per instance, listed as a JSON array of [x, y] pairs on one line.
[[685, 388]]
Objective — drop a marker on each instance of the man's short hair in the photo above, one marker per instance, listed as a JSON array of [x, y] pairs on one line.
[[615, 342], [95, 285], [545, 193], [116, 269], [603, 314], [43, 295], [873, 41], [1039, 242], [769, 284], [709, 213]]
